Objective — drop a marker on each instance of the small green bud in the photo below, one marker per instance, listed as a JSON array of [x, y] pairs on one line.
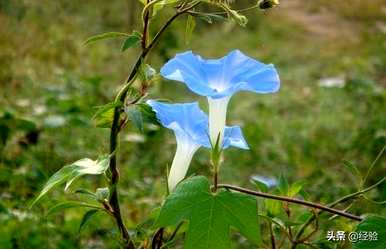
[[239, 19], [102, 194], [267, 4]]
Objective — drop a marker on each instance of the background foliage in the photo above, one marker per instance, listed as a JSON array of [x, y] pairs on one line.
[[331, 56]]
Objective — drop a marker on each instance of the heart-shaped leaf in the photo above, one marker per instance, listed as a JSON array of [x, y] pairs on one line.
[[210, 215]]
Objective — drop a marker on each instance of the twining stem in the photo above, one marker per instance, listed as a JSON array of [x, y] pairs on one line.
[[157, 240], [372, 165], [333, 204], [115, 127], [114, 198], [292, 200], [344, 198], [355, 194]]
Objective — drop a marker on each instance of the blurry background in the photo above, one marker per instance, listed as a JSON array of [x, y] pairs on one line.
[[331, 57]]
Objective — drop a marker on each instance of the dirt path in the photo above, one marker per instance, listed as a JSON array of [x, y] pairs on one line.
[[319, 22]]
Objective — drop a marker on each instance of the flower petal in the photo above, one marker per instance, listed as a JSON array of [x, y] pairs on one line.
[[190, 125], [187, 120], [218, 78], [233, 136], [187, 68]]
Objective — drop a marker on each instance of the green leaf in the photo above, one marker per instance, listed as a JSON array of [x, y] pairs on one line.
[[135, 116], [190, 26], [103, 118], [295, 188], [372, 224], [108, 35], [273, 207], [210, 215], [161, 4], [148, 114], [131, 40], [304, 194], [205, 18], [260, 185], [141, 113], [68, 204], [84, 192], [70, 172], [87, 217], [283, 185]]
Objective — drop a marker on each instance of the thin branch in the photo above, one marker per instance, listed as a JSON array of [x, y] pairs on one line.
[[273, 243], [175, 231], [292, 200], [168, 22], [283, 229], [156, 242], [333, 204], [360, 192], [224, 12], [315, 230], [373, 164], [145, 28]]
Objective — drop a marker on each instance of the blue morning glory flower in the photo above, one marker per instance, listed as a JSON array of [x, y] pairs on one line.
[[219, 79], [270, 182], [190, 126]]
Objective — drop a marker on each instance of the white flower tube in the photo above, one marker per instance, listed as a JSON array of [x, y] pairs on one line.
[[181, 162], [217, 118]]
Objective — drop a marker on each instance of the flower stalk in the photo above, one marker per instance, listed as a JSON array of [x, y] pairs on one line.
[[216, 155]]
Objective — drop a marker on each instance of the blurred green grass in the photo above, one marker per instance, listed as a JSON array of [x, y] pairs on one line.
[[305, 131]]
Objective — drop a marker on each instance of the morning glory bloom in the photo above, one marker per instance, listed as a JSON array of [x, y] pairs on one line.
[[219, 79], [270, 182], [190, 126]]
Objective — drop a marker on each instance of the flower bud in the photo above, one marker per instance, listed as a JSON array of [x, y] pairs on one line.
[[267, 4], [102, 194]]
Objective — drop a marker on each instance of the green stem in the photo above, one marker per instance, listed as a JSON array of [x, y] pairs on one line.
[[333, 204], [215, 181], [372, 165], [215, 161], [353, 195], [224, 12], [273, 242]]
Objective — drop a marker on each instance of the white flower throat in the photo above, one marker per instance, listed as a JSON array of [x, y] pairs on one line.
[[217, 118]]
